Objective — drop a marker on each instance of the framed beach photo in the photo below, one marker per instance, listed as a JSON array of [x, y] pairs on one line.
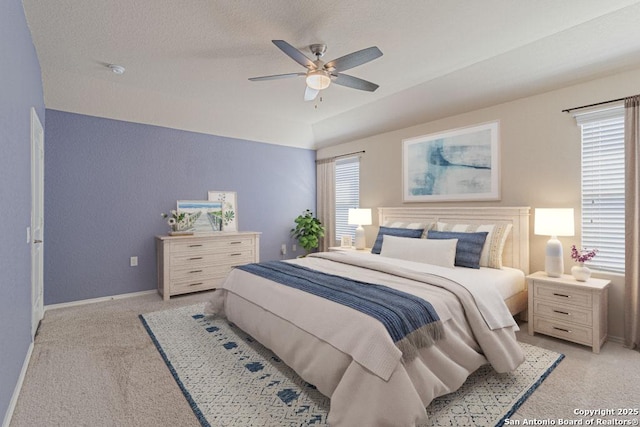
[[457, 165], [209, 214], [345, 241], [229, 208]]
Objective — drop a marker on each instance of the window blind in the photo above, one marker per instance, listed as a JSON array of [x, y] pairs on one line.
[[347, 194], [603, 195]]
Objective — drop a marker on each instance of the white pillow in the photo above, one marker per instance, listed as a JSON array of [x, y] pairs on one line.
[[426, 251]]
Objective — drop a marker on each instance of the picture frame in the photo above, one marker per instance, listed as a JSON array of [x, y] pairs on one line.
[[461, 164], [209, 214], [229, 208], [345, 241]]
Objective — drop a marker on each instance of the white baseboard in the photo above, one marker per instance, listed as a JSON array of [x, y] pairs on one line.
[[615, 339], [94, 300], [16, 391]]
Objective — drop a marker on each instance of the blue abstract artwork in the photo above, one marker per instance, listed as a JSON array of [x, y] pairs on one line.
[[461, 164]]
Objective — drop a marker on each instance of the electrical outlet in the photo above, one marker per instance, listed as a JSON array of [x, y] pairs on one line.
[[294, 247], [133, 261], [283, 249]]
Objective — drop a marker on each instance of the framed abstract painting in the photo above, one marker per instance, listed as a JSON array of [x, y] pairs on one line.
[[456, 165]]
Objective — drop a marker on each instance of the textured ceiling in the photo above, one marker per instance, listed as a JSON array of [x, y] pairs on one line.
[[188, 62]]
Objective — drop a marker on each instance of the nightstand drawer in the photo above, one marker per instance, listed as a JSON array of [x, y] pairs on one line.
[[564, 295], [579, 334], [563, 312]]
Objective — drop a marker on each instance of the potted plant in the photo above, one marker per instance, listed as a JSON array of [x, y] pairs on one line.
[[308, 231]]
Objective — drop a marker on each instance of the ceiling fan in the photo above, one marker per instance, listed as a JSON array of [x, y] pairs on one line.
[[319, 75]]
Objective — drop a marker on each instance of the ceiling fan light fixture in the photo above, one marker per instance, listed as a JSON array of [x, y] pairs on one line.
[[318, 80]]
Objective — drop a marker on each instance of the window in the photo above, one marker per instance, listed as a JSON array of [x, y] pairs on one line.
[[347, 194], [603, 187]]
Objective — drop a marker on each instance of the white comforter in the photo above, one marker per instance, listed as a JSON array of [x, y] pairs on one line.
[[350, 357]]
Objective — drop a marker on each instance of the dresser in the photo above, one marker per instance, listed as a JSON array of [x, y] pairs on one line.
[[565, 308], [202, 261]]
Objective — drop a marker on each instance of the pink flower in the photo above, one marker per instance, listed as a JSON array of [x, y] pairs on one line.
[[582, 255]]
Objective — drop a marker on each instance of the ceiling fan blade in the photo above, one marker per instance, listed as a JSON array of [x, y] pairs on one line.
[[353, 59], [354, 82], [276, 76], [310, 94], [295, 54]]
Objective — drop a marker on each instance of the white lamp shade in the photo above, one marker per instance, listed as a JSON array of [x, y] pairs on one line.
[[554, 222], [359, 217]]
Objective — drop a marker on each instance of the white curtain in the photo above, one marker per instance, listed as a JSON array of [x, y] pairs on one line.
[[326, 200], [632, 223]]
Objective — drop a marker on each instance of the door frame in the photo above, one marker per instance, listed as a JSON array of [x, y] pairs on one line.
[[36, 233]]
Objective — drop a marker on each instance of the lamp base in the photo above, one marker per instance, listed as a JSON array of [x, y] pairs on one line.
[[360, 238], [554, 262]]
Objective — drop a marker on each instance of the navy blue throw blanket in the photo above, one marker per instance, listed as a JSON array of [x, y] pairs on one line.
[[411, 321]]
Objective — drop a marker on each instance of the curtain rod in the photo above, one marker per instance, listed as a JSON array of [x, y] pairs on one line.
[[340, 156], [568, 110]]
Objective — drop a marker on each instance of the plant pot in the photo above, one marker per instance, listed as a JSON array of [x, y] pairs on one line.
[[580, 272]]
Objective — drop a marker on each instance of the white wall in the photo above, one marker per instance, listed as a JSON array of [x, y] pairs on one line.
[[540, 161]]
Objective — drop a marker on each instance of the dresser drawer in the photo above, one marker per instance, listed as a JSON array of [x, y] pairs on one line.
[[198, 273], [235, 257], [563, 312], [567, 331], [564, 295], [218, 245], [183, 287]]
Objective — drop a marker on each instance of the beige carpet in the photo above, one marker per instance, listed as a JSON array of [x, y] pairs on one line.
[[95, 365]]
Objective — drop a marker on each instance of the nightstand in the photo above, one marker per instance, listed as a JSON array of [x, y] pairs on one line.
[[565, 308]]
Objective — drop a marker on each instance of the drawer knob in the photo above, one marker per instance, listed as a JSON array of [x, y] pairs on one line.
[[562, 329], [194, 246], [562, 295], [195, 271], [236, 254], [562, 312], [195, 258], [195, 284], [235, 243]]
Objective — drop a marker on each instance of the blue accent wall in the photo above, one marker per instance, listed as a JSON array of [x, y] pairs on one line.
[[20, 89], [107, 182]]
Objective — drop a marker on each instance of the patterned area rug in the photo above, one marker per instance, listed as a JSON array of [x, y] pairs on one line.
[[230, 379]]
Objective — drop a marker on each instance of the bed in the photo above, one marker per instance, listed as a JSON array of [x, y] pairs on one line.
[[371, 378]]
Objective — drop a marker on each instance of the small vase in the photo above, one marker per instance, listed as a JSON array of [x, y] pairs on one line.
[[580, 272]]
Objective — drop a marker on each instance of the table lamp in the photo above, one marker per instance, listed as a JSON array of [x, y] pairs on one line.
[[554, 222], [360, 217]]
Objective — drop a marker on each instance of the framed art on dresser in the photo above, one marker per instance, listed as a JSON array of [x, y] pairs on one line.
[[208, 214], [460, 164], [229, 208]]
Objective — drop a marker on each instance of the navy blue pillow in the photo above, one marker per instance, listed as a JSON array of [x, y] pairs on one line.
[[469, 246], [398, 232]]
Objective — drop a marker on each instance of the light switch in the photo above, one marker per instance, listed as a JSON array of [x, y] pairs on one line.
[[134, 261]]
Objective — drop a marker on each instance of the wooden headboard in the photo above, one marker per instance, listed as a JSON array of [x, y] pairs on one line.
[[516, 251]]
